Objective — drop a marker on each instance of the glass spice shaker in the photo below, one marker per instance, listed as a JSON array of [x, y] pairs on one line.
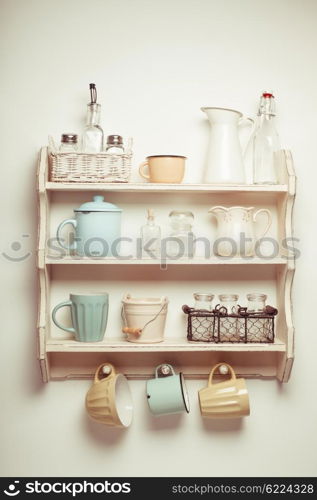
[[69, 143], [114, 144], [203, 301]]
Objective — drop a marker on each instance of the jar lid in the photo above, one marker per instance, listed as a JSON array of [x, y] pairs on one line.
[[114, 140], [69, 138], [98, 205]]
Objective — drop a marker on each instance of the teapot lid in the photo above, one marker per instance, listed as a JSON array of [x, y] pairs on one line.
[[98, 205]]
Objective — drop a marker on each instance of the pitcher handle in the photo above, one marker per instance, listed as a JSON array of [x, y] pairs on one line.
[[233, 375], [141, 170], [56, 308], [269, 216], [73, 222]]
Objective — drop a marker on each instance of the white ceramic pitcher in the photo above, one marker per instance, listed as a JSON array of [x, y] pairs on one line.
[[224, 158], [236, 232]]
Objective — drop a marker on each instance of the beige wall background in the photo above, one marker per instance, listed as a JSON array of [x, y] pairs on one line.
[[155, 63]]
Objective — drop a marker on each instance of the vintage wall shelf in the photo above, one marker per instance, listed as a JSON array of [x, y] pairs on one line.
[[63, 358]]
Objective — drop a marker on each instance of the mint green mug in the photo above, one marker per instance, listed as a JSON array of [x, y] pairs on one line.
[[167, 394], [89, 314]]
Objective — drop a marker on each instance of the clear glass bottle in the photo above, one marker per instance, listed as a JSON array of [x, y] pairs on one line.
[[93, 133], [114, 144], [151, 237], [265, 143], [181, 241], [69, 143], [203, 301]]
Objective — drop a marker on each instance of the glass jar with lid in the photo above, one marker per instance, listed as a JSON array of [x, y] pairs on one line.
[[181, 240]]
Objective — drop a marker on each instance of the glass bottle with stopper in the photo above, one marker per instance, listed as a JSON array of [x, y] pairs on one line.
[[265, 143], [151, 236], [93, 133]]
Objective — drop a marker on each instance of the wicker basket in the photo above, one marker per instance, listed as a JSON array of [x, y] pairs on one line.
[[89, 167]]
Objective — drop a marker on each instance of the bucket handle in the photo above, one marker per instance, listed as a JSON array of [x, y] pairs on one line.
[[138, 331]]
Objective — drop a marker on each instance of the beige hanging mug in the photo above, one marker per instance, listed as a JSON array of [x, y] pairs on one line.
[[109, 399], [228, 399], [168, 169]]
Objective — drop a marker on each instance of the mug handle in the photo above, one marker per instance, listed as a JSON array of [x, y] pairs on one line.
[[62, 304], [269, 216], [164, 364], [233, 375], [141, 170], [73, 222], [111, 374]]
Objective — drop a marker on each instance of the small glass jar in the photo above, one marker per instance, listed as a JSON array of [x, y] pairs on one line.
[[69, 143], [229, 328], [258, 328], [230, 302], [181, 242], [203, 301], [256, 302]]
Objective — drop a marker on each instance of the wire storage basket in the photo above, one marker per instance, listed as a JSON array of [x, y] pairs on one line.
[[218, 326]]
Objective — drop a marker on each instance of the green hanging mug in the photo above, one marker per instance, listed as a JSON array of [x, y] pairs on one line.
[[167, 394]]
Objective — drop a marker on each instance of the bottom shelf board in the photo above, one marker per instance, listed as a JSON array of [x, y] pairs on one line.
[[141, 364], [113, 345]]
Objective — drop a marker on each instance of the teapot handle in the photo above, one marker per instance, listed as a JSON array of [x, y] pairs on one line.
[[60, 240], [269, 222]]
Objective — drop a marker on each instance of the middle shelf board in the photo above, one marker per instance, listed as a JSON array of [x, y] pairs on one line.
[[169, 345], [215, 261], [147, 187]]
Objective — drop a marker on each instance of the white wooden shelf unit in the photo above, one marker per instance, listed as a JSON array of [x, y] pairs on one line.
[[62, 358]]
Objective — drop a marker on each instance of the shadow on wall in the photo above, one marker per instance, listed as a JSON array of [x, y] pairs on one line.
[[103, 435], [223, 425]]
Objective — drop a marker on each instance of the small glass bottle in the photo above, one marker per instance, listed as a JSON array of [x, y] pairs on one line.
[[93, 133], [265, 143], [229, 328], [151, 236], [114, 144], [203, 301], [181, 241], [69, 143]]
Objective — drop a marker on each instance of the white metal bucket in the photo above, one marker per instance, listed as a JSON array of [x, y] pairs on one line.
[[144, 319]]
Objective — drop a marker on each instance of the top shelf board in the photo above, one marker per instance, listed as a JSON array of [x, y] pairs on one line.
[[166, 188]]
